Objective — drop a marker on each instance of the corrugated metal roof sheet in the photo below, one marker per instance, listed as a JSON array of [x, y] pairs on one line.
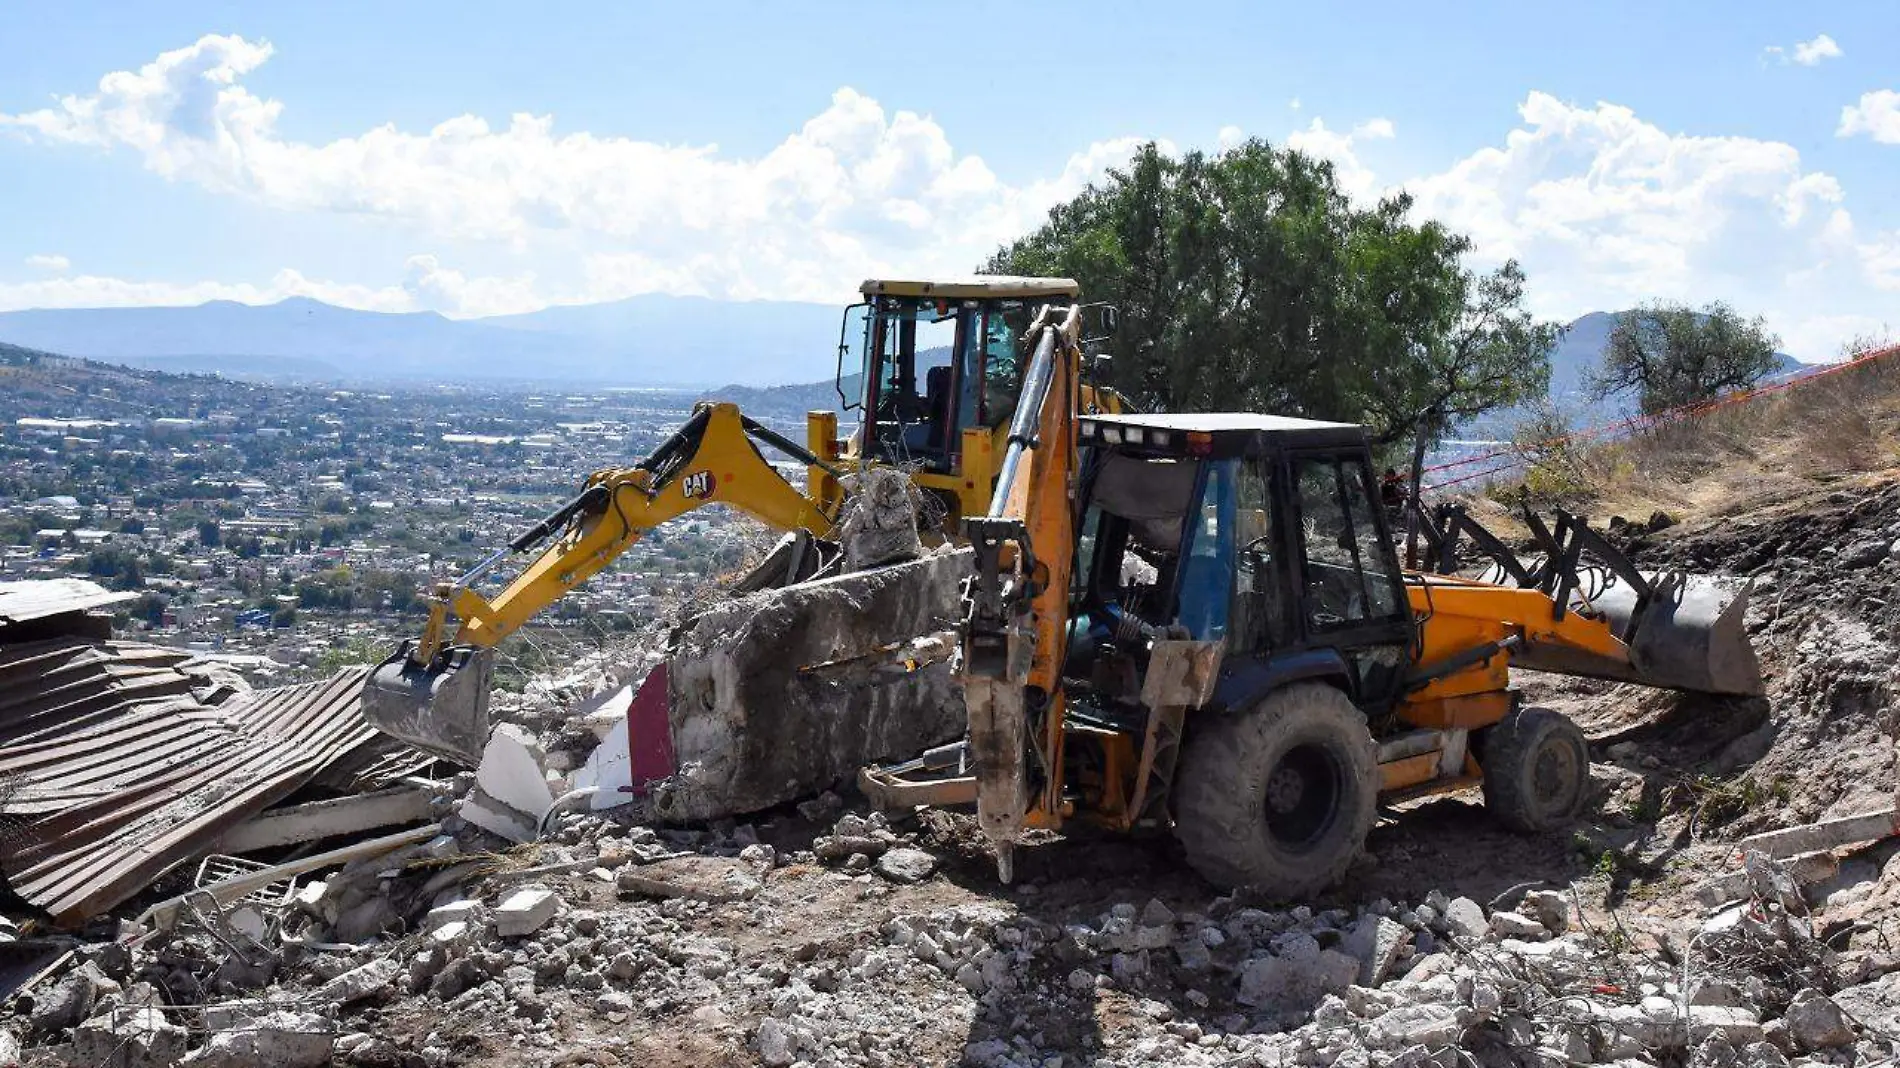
[[120, 773], [21, 602]]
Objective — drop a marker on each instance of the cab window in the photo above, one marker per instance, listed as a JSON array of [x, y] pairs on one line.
[[1349, 577]]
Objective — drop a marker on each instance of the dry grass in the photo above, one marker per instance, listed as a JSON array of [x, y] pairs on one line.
[[1837, 428]]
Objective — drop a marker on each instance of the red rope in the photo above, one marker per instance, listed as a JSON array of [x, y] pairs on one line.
[[1632, 424]]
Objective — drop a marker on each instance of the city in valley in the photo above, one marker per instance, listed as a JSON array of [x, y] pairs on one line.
[[292, 529]]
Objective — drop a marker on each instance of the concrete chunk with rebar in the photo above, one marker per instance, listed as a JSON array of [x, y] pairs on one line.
[[751, 728]]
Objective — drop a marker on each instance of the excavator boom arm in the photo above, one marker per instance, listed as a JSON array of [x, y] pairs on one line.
[[433, 693], [1017, 600], [720, 465]]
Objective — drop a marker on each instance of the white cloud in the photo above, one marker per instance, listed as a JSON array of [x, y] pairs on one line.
[[1375, 130], [1811, 53], [1633, 211], [1805, 53], [1230, 137], [1603, 208], [854, 191], [1877, 115], [95, 291], [1881, 258], [1341, 149], [55, 263]]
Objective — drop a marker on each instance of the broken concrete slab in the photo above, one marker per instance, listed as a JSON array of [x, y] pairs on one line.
[[1828, 834], [129, 1036], [701, 878], [1816, 1023], [359, 983], [905, 865], [1736, 1026], [1375, 942], [511, 791], [1297, 977], [1876, 1005], [751, 731], [394, 807], [283, 1039], [1517, 925], [1465, 918], [1548, 907], [465, 910], [525, 911], [70, 1000], [1805, 869]]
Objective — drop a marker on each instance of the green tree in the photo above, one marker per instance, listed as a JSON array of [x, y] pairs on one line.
[[1497, 355], [1670, 355], [1249, 281], [209, 534]]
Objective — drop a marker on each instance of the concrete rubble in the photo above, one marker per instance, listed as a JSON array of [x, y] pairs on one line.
[[752, 729], [529, 927], [612, 920]]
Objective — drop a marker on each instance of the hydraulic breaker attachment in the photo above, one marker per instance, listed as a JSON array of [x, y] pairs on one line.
[[440, 707], [995, 658], [995, 596]]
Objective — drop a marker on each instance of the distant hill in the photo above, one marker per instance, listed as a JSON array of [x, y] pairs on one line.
[[20, 356], [794, 400], [1581, 352], [650, 340]]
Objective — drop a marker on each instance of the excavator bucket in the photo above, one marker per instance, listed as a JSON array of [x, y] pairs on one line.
[[440, 708], [1687, 634], [1683, 632]]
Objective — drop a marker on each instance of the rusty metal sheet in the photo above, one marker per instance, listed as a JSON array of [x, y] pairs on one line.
[[118, 773], [31, 599]]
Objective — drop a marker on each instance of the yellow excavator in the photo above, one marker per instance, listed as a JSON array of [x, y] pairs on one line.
[[933, 370], [1199, 623]]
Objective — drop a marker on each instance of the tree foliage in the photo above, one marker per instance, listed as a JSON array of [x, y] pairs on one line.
[[1670, 355], [1248, 281]]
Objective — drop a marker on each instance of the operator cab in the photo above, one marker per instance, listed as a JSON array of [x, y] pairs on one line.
[[937, 358], [1262, 533]]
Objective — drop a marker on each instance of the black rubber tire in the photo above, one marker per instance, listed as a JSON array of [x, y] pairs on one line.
[[1327, 792], [1536, 770]]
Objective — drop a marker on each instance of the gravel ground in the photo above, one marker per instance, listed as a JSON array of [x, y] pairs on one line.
[[822, 934]]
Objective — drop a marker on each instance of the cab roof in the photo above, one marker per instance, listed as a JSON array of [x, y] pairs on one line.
[[1220, 422], [973, 286], [1216, 434]]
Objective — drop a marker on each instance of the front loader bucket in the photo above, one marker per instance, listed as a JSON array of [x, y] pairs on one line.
[[1687, 634], [441, 708]]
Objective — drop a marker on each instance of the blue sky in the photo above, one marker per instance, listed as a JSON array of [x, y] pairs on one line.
[[371, 155]]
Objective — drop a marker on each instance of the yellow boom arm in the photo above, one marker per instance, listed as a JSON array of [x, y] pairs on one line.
[[712, 459]]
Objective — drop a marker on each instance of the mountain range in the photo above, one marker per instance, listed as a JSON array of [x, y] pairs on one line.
[[652, 340]]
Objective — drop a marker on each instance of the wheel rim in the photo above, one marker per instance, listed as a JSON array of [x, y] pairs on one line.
[[1555, 775], [1302, 796]]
